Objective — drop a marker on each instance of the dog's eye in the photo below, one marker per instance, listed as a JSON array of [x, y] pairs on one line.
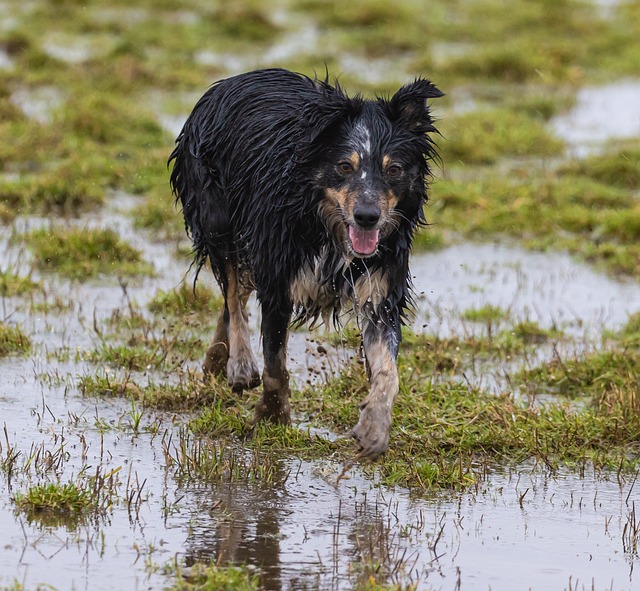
[[394, 170], [345, 167]]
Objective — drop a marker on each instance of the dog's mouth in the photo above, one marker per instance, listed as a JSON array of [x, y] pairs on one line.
[[363, 242]]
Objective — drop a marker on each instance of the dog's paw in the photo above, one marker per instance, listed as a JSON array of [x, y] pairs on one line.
[[372, 432], [242, 373], [274, 408], [216, 359]]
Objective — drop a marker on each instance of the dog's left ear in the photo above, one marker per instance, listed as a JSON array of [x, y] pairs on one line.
[[409, 106]]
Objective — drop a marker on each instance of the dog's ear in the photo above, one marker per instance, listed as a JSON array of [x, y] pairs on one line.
[[331, 107], [409, 106], [321, 115]]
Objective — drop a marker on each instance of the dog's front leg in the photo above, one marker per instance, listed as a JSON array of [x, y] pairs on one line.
[[380, 340], [274, 402]]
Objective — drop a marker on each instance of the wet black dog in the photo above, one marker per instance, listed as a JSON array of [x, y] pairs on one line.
[[311, 198]]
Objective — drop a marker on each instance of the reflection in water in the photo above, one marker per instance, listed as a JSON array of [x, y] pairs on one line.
[[520, 529], [240, 527], [300, 532]]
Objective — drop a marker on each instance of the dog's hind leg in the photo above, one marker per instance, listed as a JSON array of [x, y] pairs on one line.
[[380, 342], [273, 405], [217, 355], [230, 349], [242, 369]]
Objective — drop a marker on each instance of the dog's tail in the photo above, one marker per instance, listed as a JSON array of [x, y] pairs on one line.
[[199, 191]]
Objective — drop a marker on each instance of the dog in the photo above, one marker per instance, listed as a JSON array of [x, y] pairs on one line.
[[309, 197]]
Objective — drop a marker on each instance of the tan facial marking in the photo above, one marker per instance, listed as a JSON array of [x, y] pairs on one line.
[[392, 199], [386, 161], [354, 158], [339, 196]]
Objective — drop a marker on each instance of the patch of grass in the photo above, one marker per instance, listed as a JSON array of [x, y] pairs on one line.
[[212, 577], [629, 334], [519, 61], [486, 314], [186, 300], [447, 434], [158, 214], [144, 351], [441, 358], [187, 395], [85, 253], [529, 333], [13, 340], [12, 285], [597, 374], [54, 504], [137, 357], [51, 192], [232, 419], [55, 498], [619, 168], [585, 217], [484, 137]]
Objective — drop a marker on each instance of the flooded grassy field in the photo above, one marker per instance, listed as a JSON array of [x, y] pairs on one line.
[[516, 437]]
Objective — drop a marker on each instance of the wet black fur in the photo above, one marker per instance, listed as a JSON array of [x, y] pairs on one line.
[[251, 165]]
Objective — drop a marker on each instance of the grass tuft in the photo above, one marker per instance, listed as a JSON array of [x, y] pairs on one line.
[[210, 577], [13, 340], [85, 253]]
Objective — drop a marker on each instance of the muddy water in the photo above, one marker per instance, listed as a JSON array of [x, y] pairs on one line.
[[518, 530]]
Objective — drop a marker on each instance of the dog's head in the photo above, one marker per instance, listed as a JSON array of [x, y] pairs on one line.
[[371, 161]]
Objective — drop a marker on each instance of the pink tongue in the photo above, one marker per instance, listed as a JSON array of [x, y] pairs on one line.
[[363, 241]]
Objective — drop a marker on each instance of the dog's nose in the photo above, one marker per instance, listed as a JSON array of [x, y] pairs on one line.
[[366, 215]]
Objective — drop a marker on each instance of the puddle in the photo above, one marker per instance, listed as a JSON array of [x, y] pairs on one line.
[[551, 289], [480, 540], [601, 113], [6, 63], [38, 103], [302, 530], [75, 49]]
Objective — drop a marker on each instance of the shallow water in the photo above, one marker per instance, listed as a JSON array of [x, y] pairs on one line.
[[601, 113], [551, 289], [302, 529], [38, 103]]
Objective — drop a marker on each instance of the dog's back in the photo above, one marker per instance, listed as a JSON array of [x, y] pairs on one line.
[[233, 158]]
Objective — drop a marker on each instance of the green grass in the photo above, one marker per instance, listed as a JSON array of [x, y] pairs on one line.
[[595, 221], [187, 395], [13, 340], [158, 214], [620, 167], [487, 136], [187, 300], [85, 253], [447, 434], [211, 577], [12, 285], [486, 314], [55, 504], [596, 375], [51, 192]]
